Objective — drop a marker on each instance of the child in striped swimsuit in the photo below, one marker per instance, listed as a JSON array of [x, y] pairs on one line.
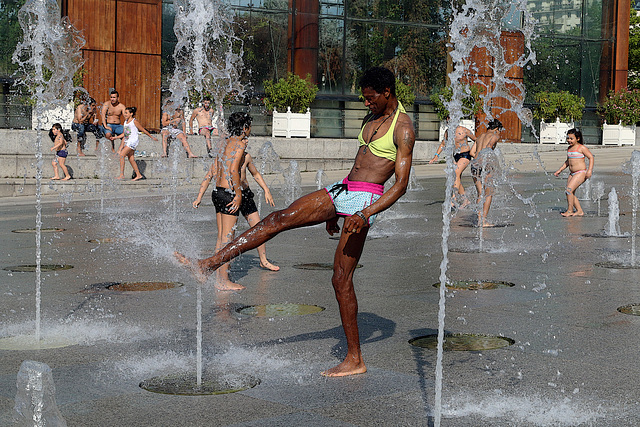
[[578, 171]]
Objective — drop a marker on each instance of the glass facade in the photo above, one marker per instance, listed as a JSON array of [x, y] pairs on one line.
[[409, 36], [574, 44]]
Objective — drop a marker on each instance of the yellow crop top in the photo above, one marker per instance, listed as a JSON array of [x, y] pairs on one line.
[[384, 146]]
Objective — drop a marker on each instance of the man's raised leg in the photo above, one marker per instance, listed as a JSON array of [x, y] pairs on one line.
[[314, 208], [344, 264]]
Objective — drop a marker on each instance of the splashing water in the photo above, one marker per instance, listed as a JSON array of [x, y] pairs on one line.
[[597, 192], [321, 178], [613, 226], [479, 24], [207, 59], [47, 57], [207, 55], [292, 183], [632, 167]]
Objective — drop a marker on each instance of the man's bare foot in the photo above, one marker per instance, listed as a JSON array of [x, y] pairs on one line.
[[198, 272], [193, 156], [345, 369], [164, 155], [81, 154], [228, 285], [66, 178], [120, 177], [138, 178], [578, 213], [566, 213], [54, 177], [269, 266]]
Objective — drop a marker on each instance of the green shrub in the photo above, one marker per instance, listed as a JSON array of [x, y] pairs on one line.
[[404, 93], [622, 106], [563, 105], [471, 103], [291, 91]]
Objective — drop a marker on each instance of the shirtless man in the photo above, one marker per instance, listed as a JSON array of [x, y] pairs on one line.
[[86, 120], [483, 165], [112, 119], [232, 157], [461, 156], [207, 122], [386, 148], [174, 126]]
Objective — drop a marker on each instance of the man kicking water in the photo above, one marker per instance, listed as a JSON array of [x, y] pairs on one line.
[[386, 143]]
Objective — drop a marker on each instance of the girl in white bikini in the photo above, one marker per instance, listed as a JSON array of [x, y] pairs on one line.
[[579, 173], [131, 132]]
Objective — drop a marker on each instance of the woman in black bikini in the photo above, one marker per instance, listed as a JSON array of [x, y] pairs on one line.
[[462, 156]]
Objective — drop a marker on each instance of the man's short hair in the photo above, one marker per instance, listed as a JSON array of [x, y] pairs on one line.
[[378, 79], [91, 101], [495, 124], [114, 92], [206, 98]]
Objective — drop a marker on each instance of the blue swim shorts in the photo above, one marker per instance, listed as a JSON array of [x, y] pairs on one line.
[[348, 197]]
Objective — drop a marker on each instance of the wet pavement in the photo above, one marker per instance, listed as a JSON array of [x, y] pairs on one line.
[[573, 360]]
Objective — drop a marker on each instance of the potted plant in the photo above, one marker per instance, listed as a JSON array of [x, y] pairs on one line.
[[293, 95], [621, 112], [557, 112], [471, 105]]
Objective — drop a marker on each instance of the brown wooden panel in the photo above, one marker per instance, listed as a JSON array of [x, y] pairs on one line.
[[139, 27], [99, 75], [513, 44], [138, 82], [480, 62], [96, 20]]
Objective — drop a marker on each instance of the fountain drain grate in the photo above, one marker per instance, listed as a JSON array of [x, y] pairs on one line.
[[107, 240], [142, 286], [30, 268], [618, 265], [632, 309], [463, 342], [318, 266], [186, 384], [279, 310], [43, 230], [474, 285]]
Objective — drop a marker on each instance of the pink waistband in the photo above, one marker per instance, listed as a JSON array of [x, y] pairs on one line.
[[364, 186]]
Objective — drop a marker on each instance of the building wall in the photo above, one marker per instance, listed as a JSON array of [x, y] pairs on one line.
[[123, 51]]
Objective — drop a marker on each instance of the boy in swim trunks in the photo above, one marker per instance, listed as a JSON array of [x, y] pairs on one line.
[[228, 168], [385, 148], [482, 167]]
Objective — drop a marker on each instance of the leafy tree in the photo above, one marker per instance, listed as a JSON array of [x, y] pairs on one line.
[[634, 50], [10, 34]]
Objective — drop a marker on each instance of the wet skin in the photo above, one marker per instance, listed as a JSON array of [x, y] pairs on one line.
[[317, 207]]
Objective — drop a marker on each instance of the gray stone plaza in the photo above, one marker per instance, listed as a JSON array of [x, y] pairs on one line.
[[572, 359]]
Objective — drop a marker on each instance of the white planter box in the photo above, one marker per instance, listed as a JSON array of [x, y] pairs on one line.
[[62, 115], [291, 124], [467, 123], [554, 133], [618, 135]]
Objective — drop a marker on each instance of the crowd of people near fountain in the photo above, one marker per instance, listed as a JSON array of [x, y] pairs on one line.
[[478, 151], [108, 123]]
